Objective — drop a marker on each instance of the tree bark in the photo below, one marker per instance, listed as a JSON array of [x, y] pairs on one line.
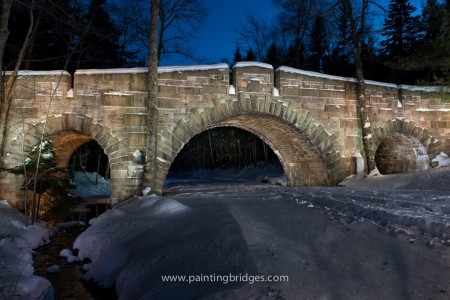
[[366, 126], [4, 33], [152, 112], [9, 84], [357, 27]]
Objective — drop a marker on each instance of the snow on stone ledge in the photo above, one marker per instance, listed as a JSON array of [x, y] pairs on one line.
[[243, 64], [429, 89], [313, 74], [192, 68], [45, 73], [430, 109], [331, 77], [140, 70], [111, 71], [117, 94], [39, 73]]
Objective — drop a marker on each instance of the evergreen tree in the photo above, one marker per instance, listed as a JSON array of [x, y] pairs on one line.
[[340, 61], [66, 36], [250, 56], [318, 44], [400, 29], [432, 18], [237, 56], [99, 46], [44, 178], [272, 56], [57, 29], [438, 58], [431, 63], [295, 56]]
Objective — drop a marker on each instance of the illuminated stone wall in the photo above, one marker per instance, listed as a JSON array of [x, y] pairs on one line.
[[310, 120]]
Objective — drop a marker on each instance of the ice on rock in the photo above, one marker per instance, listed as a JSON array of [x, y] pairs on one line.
[[168, 207], [137, 156], [66, 253], [53, 269], [73, 259], [442, 159], [146, 191]]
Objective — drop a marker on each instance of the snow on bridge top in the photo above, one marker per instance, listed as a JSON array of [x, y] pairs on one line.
[[139, 70]]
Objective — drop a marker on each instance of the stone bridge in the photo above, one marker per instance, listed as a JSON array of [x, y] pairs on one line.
[[310, 120]]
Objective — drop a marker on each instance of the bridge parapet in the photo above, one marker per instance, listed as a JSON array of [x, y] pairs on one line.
[[253, 77], [34, 90]]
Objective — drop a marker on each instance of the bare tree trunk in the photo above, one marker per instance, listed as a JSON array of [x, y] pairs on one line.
[[9, 85], [31, 43], [211, 149], [4, 33], [366, 126], [358, 26], [152, 112]]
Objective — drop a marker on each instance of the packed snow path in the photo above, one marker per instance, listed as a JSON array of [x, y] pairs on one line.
[[388, 242]]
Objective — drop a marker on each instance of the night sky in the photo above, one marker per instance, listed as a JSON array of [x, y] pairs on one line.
[[217, 40]]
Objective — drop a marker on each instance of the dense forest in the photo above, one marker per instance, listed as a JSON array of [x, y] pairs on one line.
[[223, 148], [399, 42]]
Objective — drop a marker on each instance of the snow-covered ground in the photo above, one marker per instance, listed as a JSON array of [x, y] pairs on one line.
[[270, 173], [383, 237], [16, 262], [89, 184], [17, 242]]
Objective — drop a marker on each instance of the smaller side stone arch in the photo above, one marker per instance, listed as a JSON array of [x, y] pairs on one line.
[[70, 131], [410, 128], [419, 147]]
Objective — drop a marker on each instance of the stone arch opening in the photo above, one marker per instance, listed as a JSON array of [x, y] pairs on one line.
[[225, 154], [300, 152], [87, 167], [89, 158], [402, 146], [400, 153], [69, 131]]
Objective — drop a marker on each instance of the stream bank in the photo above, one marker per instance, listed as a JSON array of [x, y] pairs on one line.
[[68, 282]]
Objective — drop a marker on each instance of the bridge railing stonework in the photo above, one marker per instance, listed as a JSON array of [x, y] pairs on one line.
[[309, 119]]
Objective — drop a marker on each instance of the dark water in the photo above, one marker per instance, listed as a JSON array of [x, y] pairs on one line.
[[68, 283]]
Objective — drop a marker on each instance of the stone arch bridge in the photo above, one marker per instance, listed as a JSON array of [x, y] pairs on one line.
[[309, 119]]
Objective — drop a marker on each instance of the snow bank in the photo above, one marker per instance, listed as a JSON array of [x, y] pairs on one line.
[[442, 159], [16, 262], [112, 224], [136, 242]]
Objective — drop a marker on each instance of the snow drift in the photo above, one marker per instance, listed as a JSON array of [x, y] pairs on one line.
[[16, 262]]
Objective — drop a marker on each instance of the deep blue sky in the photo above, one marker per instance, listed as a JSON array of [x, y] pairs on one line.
[[217, 38]]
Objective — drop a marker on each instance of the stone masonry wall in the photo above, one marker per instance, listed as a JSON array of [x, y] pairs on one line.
[[318, 111]]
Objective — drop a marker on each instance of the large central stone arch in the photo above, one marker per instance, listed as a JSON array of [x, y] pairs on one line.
[[307, 151], [68, 131]]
